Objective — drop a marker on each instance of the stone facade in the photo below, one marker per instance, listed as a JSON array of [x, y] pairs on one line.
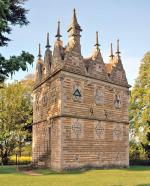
[[80, 107]]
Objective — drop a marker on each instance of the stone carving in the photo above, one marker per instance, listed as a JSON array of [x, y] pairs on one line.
[[76, 157], [107, 114], [99, 97], [117, 101], [118, 132], [99, 130], [91, 112], [76, 128], [77, 95], [119, 75], [99, 68], [109, 88]]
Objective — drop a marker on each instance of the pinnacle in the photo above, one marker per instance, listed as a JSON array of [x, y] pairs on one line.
[[58, 35], [47, 44], [39, 54]]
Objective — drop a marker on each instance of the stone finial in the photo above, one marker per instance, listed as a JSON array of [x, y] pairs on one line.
[[74, 22], [111, 51], [58, 35], [96, 53], [39, 54], [47, 44], [118, 51], [97, 42]]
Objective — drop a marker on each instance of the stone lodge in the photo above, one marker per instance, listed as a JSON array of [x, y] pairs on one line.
[[80, 106]]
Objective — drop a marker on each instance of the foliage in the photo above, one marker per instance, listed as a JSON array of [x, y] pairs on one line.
[[139, 110], [23, 160], [9, 66], [12, 13], [136, 175], [136, 151], [15, 117]]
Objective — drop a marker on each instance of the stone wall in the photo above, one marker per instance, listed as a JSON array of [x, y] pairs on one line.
[[97, 99], [94, 143], [46, 145]]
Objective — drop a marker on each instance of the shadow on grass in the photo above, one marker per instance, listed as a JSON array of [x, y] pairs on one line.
[[138, 168], [8, 169], [46, 171], [84, 170], [147, 184]]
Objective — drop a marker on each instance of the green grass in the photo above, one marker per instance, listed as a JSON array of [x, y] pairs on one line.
[[136, 175]]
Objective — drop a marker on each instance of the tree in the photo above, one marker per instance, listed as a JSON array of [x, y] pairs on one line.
[[15, 118], [139, 110], [12, 13]]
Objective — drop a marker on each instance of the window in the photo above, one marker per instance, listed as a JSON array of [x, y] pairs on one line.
[[117, 102], [99, 97]]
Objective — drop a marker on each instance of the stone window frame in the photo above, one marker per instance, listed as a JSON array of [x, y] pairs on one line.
[[117, 95], [102, 90]]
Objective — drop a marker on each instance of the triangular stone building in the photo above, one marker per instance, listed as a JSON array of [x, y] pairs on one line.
[[80, 106]]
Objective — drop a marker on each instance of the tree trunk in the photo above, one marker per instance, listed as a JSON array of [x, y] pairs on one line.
[[5, 160]]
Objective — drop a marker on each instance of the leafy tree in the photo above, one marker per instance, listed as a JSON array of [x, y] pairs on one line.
[[15, 118], [140, 106], [12, 13]]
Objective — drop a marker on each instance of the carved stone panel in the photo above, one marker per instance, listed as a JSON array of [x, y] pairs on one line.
[[77, 93], [117, 131], [99, 67], [99, 130], [76, 128]]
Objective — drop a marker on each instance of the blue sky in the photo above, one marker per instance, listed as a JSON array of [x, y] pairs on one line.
[[127, 20]]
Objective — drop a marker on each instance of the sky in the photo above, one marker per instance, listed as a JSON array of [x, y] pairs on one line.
[[127, 20]]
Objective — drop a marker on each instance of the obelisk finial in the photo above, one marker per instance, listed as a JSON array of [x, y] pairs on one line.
[[111, 51], [118, 50], [58, 35], [47, 44], [39, 54], [97, 42]]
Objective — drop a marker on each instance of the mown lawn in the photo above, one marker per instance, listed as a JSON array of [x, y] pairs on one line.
[[136, 175]]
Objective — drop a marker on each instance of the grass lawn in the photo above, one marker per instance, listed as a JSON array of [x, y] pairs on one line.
[[136, 175]]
